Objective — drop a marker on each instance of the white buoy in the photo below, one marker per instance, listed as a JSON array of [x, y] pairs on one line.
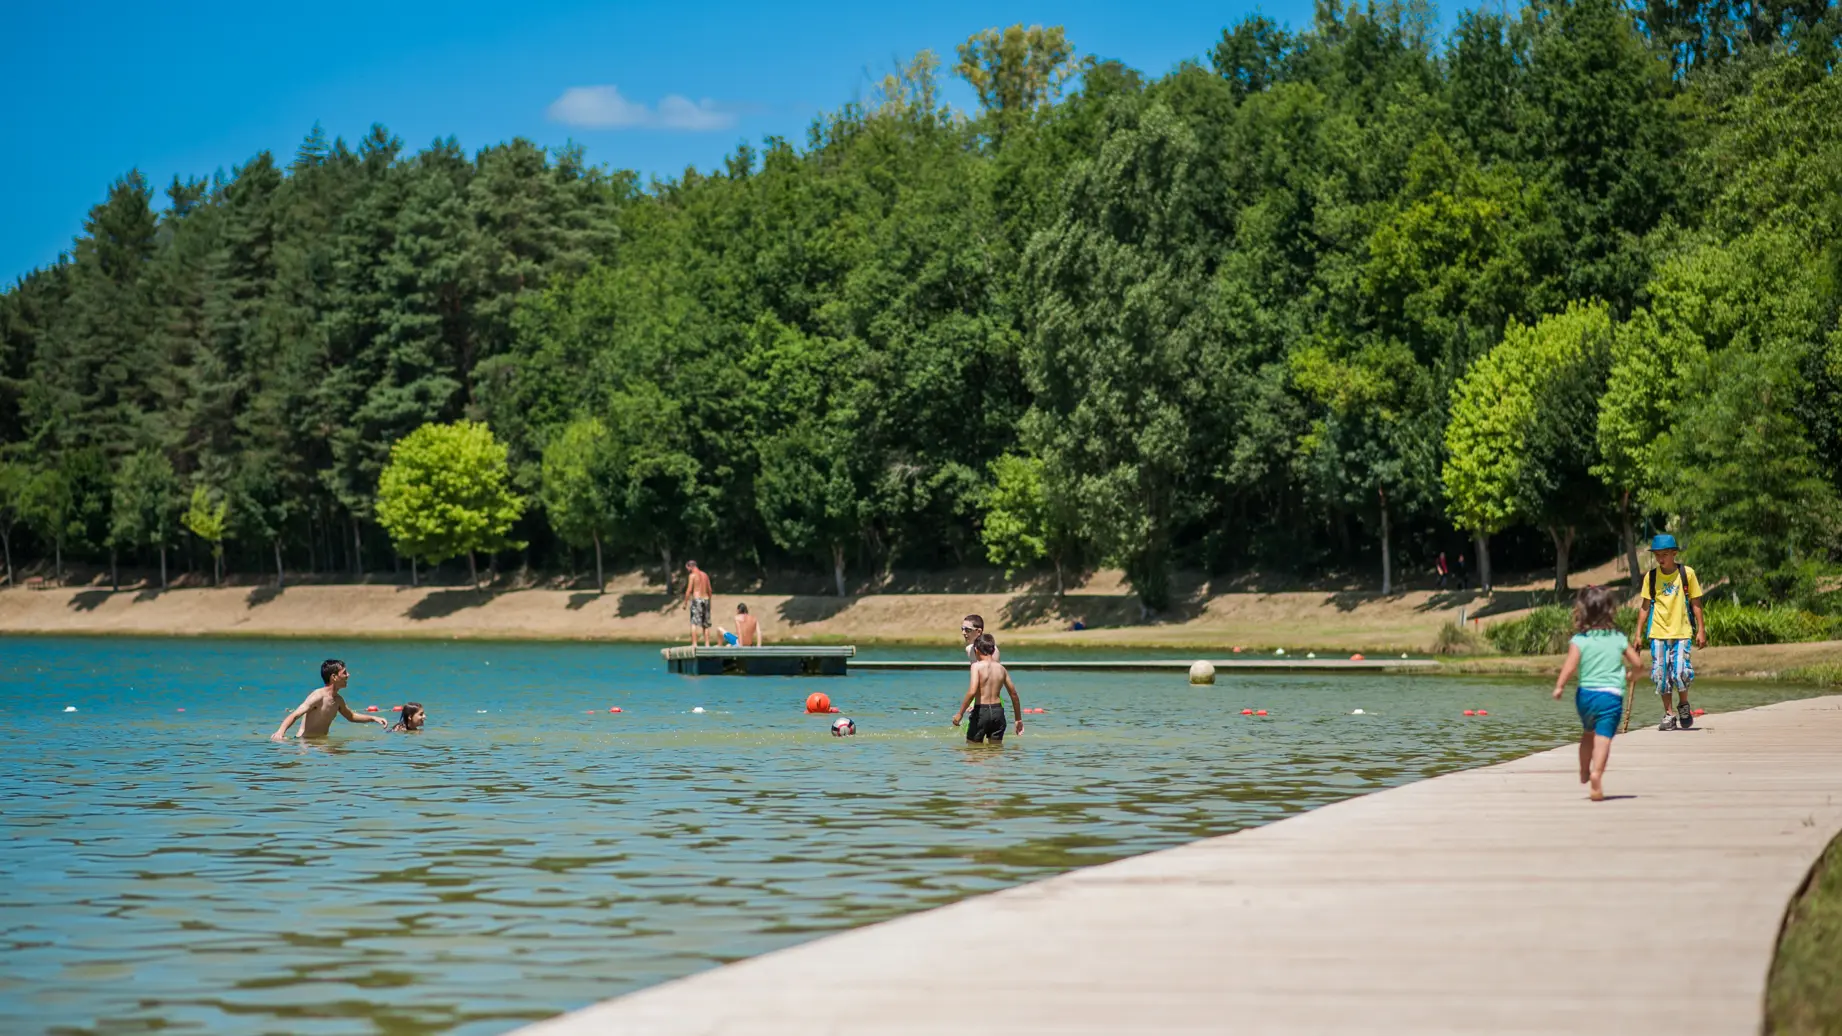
[[1356, 712], [1311, 654], [1281, 651], [70, 708], [699, 708], [1202, 671], [1403, 656], [480, 712]]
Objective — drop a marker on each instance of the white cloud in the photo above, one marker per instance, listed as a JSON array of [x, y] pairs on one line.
[[603, 107], [677, 112]]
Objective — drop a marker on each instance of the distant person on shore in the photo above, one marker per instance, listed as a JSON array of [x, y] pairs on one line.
[[971, 628], [317, 712], [1444, 570], [1671, 618], [411, 719], [989, 681], [697, 595], [1603, 661], [1463, 573]]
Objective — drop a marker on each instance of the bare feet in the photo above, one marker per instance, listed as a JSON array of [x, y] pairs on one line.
[[1597, 794]]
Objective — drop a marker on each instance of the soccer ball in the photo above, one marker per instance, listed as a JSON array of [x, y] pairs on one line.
[[842, 727]]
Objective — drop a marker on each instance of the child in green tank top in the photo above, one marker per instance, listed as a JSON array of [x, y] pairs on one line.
[[1600, 656]]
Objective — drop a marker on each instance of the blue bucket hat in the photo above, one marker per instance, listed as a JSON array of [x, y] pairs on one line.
[[1663, 541]]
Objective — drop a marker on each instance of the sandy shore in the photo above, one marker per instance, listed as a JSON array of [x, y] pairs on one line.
[[632, 610]]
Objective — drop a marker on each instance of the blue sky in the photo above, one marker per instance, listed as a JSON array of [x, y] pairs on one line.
[[95, 89]]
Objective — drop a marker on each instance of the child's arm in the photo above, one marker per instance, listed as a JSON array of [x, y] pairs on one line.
[[346, 711], [281, 732], [1643, 622], [1016, 704], [971, 692], [1568, 668], [1701, 623]]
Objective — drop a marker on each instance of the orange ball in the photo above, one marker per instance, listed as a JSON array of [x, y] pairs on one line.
[[817, 701], [1262, 712], [1247, 712], [1481, 712], [1470, 712], [1357, 657]]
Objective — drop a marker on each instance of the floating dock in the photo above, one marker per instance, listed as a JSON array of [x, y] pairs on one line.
[[777, 660], [797, 660], [1222, 666]]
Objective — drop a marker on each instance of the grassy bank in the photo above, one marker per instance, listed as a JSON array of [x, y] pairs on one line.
[[1803, 996]]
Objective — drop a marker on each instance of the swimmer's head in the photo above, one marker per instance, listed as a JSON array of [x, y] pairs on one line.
[[332, 673], [843, 727], [741, 609], [986, 646], [971, 626], [412, 716], [690, 566]]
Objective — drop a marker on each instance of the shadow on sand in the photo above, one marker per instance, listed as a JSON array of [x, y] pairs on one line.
[[443, 603], [796, 611], [642, 604]]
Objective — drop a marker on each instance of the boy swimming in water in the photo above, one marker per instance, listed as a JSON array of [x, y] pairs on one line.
[[989, 680], [317, 712]]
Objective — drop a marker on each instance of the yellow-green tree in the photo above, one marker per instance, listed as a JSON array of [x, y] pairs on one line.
[[207, 518], [445, 492], [579, 494]]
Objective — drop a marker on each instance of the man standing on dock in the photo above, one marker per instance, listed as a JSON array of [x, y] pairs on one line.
[[697, 595]]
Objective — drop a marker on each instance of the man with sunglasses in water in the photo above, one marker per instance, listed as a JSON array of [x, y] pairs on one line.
[[970, 628]]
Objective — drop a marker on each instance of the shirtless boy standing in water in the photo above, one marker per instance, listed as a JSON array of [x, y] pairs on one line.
[[989, 681], [317, 712]]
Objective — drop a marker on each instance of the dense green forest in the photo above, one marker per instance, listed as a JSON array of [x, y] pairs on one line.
[[1334, 301]]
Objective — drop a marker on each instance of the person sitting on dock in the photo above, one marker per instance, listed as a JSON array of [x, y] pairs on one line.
[[989, 680], [317, 712], [697, 595], [970, 629], [748, 628]]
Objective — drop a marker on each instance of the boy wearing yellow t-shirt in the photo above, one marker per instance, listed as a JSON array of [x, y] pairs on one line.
[[1671, 595]]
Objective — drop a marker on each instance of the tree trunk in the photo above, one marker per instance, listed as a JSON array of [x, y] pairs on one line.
[[1059, 591], [473, 571], [6, 540], [1563, 546], [837, 566], [415, 572], [1482, 540], [162, 566], [1387, 548], [57, 564], [279, 580], [217, 565], [1630, 540], [665, 558], [115, 573], [601, 582], [358, 549]]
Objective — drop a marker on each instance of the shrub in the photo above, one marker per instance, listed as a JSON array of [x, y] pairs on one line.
[[1454, 639], [1543, 631], [1737, 624], [1823, 674]]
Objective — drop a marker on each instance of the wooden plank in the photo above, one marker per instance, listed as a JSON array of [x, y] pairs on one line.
[[1490, 900]]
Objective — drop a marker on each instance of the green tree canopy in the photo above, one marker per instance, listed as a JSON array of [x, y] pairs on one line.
[[446, 492]]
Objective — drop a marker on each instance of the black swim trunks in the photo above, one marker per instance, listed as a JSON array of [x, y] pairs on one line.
[[987, 721]]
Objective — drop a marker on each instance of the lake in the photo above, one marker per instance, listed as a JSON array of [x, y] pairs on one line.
[[167, 867]]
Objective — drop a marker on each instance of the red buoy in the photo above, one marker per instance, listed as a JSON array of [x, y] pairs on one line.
[[1470, 712], [370, 708], [1357, 657], [1262, 712], [1247, 712], [1698, 712], [396, 708], [1481, 712], [615, 709], [818, 701]]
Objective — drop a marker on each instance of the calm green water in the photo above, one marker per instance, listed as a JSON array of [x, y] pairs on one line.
[[176, 871]]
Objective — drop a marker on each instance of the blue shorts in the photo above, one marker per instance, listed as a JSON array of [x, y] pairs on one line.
[[1670, 668], [1599, 711]]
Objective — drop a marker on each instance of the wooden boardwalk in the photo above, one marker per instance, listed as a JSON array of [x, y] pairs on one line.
[[1492, 900]]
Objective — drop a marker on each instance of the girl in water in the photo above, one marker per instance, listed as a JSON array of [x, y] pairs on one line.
[[412, 717]]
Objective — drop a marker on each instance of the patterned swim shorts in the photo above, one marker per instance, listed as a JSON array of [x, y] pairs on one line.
[[700, 612], [1670, 668]]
